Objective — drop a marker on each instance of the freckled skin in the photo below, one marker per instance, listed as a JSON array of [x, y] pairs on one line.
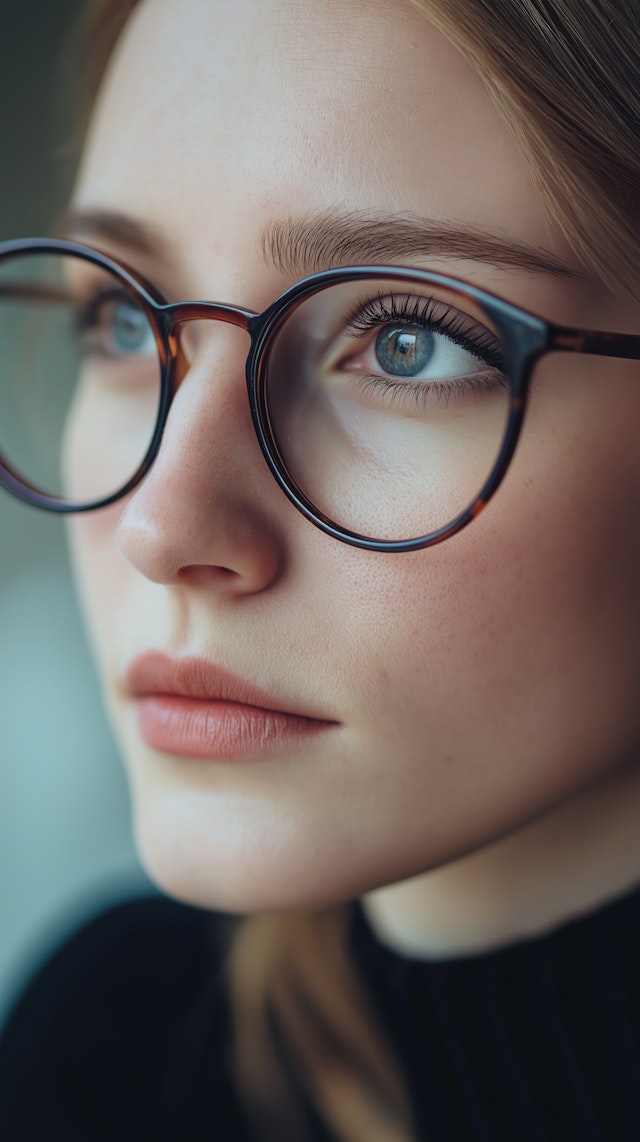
[[486, 687]]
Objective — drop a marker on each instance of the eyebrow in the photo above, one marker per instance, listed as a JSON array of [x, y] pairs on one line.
[[327, 239], [112, 227], [319, 241]]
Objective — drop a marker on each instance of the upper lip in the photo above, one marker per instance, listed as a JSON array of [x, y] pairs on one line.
[[194, 677]]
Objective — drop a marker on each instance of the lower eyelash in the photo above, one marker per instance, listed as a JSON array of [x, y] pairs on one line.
[[418, 393]]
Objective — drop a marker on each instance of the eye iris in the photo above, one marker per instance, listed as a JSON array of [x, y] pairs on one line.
[[130, 329], [404, 350]]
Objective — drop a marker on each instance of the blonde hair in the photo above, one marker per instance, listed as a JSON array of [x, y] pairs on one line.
[[565, 75]]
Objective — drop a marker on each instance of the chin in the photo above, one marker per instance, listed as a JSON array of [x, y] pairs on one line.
[[231, 868]]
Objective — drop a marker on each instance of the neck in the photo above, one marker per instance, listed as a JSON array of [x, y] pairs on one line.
[[564, 865]]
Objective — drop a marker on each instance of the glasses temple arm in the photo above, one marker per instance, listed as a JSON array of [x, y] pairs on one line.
[[569, 340]]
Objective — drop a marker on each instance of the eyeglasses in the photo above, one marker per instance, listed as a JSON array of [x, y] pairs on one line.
[[387, 402]]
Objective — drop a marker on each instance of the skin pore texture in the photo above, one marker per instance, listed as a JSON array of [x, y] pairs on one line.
[[482, 780]]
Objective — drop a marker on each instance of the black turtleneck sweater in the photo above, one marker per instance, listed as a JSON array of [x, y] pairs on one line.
[[122, 1035]]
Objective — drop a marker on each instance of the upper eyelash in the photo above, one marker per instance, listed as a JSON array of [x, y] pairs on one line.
[[421, 311]]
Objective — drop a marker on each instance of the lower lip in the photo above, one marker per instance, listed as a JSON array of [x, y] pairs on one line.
[[194, 727]]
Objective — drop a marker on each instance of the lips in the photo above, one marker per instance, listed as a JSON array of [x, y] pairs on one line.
[[194, 708]]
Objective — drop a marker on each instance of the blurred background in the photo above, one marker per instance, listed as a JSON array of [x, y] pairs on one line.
[[65, 838]]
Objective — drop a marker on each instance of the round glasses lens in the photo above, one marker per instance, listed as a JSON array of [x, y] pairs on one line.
[[388, 403], [80, 377]]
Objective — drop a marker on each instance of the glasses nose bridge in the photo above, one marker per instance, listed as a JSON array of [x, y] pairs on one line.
[[177, 314], [182, 312]]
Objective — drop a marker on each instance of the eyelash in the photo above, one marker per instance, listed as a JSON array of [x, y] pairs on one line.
[[379, 311], [374, 313]]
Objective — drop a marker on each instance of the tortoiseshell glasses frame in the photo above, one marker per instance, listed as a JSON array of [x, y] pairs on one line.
[[525, 337]]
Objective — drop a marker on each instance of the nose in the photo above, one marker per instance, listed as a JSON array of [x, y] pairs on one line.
[[208, 512]]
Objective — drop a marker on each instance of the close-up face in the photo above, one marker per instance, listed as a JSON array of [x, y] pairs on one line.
[[302, 720]]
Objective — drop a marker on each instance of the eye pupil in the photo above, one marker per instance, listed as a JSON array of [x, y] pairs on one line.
[[404, 350]]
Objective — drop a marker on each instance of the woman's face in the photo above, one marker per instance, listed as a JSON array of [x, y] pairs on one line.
[[454, 694]]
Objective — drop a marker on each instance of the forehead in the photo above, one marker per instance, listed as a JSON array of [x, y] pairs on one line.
[[218, 114]]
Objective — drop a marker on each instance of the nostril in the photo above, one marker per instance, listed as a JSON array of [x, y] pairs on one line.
[[171, 534], [194, 571]]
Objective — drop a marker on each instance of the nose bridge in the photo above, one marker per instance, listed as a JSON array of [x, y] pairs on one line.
[[198, 517], [191, 444]]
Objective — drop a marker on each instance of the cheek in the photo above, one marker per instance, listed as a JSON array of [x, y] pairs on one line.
[[496, 675], [103, 578], [517, 640]]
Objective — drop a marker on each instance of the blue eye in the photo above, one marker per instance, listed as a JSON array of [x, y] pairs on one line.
[[111, 324], [130, 331], [404, 350]]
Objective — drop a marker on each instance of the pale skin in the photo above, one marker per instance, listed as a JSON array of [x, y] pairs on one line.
[[482, 782]]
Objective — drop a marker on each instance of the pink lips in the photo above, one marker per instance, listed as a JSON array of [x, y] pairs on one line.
[[195, 708]]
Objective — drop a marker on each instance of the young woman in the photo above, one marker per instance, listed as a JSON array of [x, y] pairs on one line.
[[360, 562]]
